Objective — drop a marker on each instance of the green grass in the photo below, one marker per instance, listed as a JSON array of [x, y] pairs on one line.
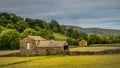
[[63, 61], [59, 36], [8, 52], [86, 61], [13, 60]]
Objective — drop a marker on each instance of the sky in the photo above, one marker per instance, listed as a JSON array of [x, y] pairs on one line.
[[83, 13]]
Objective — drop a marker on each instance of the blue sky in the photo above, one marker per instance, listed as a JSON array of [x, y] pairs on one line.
[[84, 13]]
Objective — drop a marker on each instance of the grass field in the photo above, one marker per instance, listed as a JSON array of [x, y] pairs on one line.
[[62, 61], [59, 36], [8, 52]]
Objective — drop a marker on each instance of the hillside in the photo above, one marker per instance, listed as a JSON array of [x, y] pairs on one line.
[[110, 32], [58, 36]]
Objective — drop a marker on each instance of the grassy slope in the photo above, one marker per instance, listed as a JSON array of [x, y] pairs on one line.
[[111, 32], [59, 36], [86, 61]]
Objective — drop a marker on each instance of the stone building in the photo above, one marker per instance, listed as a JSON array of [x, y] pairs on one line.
[[36, 45], [83, 43]]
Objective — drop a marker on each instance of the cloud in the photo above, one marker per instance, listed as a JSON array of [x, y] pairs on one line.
[[84, 13]]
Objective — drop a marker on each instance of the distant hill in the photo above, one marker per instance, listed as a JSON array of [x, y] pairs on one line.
[[110, 32]]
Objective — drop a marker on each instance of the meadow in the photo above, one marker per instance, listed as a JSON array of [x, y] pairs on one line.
[[63, 61]]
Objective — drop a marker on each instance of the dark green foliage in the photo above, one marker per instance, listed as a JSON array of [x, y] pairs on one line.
[[71, 32], [63, 29], [46, 34], [101, 39], [54, 26], [9, 39], [10, 26], [6, 15], [29, 32], [39, 23], [30, 22], [72, 41], [21, 26], [94, 39]]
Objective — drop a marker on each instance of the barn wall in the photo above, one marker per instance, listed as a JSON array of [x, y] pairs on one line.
[[48, 50], [44, 51], [27, 52]]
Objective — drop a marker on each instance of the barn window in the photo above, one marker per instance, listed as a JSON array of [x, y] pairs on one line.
[[28, 45], [66, 47]]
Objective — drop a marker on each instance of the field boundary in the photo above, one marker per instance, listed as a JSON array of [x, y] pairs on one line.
[[110, 51], [104, 45]]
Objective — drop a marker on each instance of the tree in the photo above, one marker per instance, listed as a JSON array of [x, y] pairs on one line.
[[40, 23], [27, 32], [15, 18], [105, 40], [9, 39], [3, 20], [55, 26], [69, 31], [10, 26], [2, 28], [30, 22], [94, 39], [46, 34], [6, 15], [21, 26], [63, 29], [72, 41]]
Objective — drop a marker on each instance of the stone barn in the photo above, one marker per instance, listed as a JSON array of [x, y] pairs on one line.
[[83, 43], [36, 45]]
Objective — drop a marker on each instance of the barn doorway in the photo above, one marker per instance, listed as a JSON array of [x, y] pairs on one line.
[[66, 47], [28, 45]]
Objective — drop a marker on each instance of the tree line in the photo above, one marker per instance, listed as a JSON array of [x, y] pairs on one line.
[[13, 28]]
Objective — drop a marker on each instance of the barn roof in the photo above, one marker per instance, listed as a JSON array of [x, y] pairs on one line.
[[36, 38], [52, 43]]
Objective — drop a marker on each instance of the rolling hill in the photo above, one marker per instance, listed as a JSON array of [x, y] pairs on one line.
[[101, 31]]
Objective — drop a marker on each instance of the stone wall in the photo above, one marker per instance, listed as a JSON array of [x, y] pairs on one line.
[[43, 51]]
